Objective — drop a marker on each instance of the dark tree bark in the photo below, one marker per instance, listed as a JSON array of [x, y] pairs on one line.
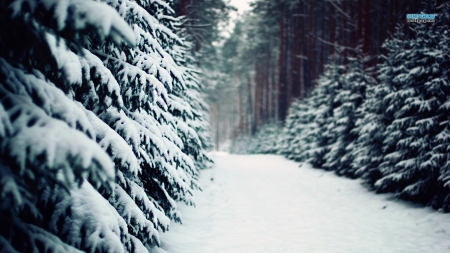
[[282, 108], [303, 36]]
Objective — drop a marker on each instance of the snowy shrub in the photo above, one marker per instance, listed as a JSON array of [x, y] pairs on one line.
[[99, 115]]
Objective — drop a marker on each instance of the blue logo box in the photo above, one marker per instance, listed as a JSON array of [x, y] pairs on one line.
[[420, 18]]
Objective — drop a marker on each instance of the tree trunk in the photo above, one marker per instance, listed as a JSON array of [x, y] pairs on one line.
[[250, 114], [282, 68]]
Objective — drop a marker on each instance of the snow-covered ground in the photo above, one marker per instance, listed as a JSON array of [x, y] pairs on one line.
[[267, 204]]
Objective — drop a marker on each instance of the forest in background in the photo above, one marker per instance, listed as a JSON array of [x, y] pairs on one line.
[[278, 50], [377, 107]]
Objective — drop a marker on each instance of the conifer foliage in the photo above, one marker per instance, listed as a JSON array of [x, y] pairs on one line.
[[301, 131], [99, 114], [330, 83], [416, 74], [393, 134], [263, 142]]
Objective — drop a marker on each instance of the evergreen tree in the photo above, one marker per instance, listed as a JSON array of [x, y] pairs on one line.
[[367, 152], [310, 132], [440, 156], [348, 100], [196, 144], [200, 29], [319, 129], [262, 142], [202, 24], [415, 70], [266, 139], [48, 142], [97, 136], [328, 86], [289, 130], [299, 132]]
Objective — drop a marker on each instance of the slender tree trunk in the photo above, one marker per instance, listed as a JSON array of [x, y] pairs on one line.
[[216, 123], [250, 115], [288, 63], [300, 41], [267, 87], [295, 54], [307, 30], [258, 91], [183, 8], [344, 30], [333, 21], [353, 30], [282, 68], [242, 125], [360, 24], [366, 29]]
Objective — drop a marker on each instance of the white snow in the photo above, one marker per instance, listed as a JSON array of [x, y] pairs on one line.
[[133, 215], [67, 60], [32, 126], [90, 214], [265, 203], [82, 14], [104, 17]]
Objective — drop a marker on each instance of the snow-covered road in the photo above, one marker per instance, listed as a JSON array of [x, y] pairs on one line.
[[267, 204]]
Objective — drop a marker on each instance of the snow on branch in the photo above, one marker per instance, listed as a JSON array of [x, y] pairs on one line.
[[79, 15], [37, 136]]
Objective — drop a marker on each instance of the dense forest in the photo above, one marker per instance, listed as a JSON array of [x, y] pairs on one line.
[[103, 122], [352, 87], [108, 108], [278, 50]]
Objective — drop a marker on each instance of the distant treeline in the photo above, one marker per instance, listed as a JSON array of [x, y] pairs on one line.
[[283, 46], [385, 122]]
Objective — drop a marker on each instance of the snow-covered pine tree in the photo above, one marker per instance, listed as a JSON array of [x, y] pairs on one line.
[[324, 101], [194, 95], [319, 128], [416, 72], [155, 117], [367, 151], [440, 155], [47, 139], [266, 138], [66, 116], [264, 141], [242, 144], [348, 100], [299, 133], [309, 133], [196, 146], [288, 132]]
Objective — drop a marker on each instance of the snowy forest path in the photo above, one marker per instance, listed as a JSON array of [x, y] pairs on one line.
[[265, 204]]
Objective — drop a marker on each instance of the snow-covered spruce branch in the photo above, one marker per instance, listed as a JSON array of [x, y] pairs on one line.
[[73, 124]]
